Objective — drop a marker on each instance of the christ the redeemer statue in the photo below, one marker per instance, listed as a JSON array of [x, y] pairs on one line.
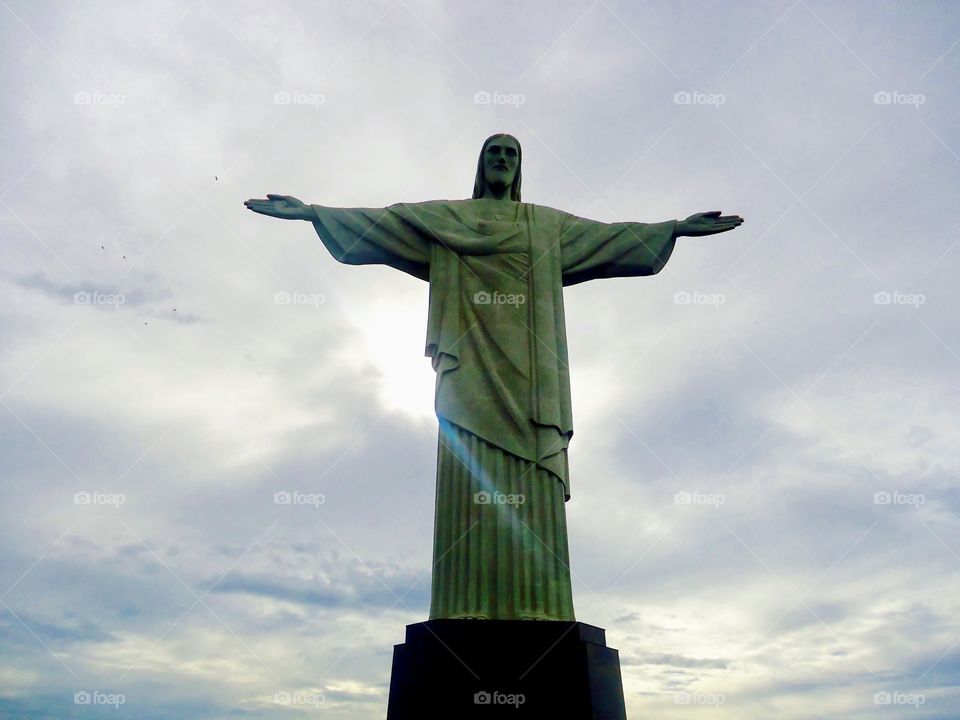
[[495, 333]]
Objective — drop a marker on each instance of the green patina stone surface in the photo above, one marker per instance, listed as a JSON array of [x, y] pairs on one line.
[[496, 336]]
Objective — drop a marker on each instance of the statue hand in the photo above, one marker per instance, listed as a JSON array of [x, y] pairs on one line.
[[280, 206], [707, 223]]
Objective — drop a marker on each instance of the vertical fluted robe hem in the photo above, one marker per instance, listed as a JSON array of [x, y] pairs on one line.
[[500, 538]]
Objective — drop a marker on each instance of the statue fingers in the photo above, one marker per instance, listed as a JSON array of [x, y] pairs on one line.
[[280, 200], [265, 207]]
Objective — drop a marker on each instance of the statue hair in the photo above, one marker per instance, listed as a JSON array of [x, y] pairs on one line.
[[480, 181]]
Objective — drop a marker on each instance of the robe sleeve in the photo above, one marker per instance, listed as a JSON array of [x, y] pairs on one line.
[[590, 250], [375, 236]]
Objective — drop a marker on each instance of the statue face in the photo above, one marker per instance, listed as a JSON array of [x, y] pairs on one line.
[[500, 162]]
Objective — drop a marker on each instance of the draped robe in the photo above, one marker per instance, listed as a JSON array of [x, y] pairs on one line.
[[497, 341]]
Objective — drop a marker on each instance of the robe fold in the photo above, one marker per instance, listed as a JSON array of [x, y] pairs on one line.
[[496, 275], [497, 340]]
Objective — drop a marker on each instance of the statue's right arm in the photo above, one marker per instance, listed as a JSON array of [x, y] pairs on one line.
[[286, 207], [359, 236]]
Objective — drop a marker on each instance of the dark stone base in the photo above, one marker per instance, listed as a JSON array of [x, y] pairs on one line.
[[519, 669]]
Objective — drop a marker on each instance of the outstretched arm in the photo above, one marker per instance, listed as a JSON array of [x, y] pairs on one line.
[[708, 223], [591, 250], [359, 236], [286, 207]]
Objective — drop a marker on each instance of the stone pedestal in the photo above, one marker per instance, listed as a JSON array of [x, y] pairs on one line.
[[460, 669]]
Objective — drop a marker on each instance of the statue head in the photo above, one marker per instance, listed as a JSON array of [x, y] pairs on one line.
[[499, 165]]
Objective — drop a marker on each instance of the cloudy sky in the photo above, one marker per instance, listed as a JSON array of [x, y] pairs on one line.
[[766, 456]]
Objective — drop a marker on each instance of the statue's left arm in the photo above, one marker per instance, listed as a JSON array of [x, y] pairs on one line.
[[590, 250]]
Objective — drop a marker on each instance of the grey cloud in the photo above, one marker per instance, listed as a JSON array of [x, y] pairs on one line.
[[668, 397], [680, 661]]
